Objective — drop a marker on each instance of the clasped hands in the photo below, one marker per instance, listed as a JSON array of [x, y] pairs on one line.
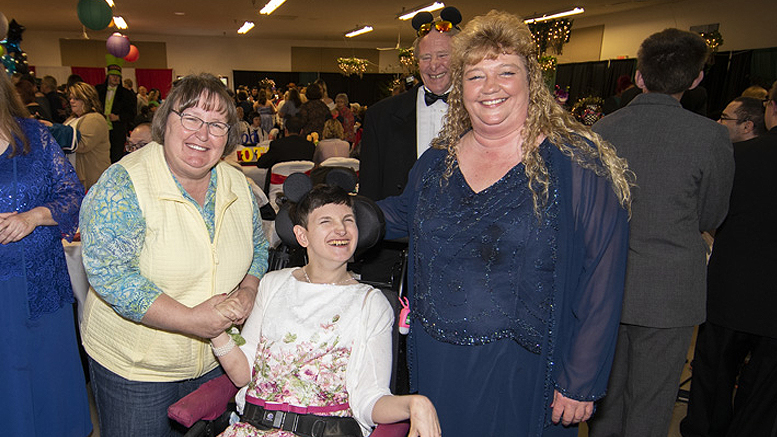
[[14, 226], [222, 311]]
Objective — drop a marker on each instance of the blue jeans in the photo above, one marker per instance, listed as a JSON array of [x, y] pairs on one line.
[[134, 408]]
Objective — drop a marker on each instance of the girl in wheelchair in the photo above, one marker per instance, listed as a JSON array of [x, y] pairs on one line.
[[317, 357]]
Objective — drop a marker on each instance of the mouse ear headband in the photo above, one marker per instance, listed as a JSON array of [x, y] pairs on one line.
[[369, 217], [423, 22]]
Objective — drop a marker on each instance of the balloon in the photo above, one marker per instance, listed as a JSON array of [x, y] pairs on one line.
[[133, 54], [94, 14], [3, 26], [118, 45]]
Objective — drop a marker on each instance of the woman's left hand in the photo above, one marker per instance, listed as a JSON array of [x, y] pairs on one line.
[[569, 411], [14, 226]]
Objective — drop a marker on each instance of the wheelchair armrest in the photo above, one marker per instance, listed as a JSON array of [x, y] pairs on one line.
[[399, 429], [208, 402]]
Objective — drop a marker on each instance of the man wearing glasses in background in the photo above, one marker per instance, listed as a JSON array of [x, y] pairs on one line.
[[139, 137], [741, 291]]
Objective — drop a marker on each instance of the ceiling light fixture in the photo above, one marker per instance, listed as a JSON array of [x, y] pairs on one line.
[[359, 31], [430, 8], [110, 2], [248, 25], [271, 6], [119, 22], [574, 11]]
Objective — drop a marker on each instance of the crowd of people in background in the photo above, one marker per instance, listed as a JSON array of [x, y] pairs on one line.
[[563, 251]]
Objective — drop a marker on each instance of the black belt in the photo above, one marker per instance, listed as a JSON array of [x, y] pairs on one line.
[[303, 425]]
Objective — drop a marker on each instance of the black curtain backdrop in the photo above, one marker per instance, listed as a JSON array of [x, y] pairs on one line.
[[728, 74], [365, 90]]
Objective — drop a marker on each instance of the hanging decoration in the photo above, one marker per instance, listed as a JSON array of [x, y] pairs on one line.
[[118, 45], [267, 83], [407, 60], [14, 58], [551, 35], [548, 63], [352, 65], [713, 39], [94, 14], [133, 54]]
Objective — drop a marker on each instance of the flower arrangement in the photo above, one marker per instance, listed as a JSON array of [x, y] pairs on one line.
[[588, 110], [352, 65], [561, 95], [267, 83]]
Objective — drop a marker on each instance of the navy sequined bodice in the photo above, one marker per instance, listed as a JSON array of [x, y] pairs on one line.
[[484, 267]]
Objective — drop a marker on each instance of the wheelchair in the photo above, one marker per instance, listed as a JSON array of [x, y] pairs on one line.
[[206, 412]]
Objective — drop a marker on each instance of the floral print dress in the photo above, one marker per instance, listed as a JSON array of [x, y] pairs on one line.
[[316, 345]]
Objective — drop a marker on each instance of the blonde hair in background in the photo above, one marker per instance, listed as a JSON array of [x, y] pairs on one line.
[[88, 94], [488, 36], [333, 129]]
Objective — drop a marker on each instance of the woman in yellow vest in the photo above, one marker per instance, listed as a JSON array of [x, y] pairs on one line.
[[169, 234]]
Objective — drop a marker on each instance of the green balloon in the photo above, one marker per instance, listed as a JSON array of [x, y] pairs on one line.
[[94, 14]]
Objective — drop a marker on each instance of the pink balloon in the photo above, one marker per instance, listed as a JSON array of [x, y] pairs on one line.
[[118, 45], [133, 54]]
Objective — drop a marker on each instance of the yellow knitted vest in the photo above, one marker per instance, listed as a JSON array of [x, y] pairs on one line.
[[179, 257]]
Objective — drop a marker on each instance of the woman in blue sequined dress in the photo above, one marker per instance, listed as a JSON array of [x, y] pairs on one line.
[[43, 387], [517, 219]]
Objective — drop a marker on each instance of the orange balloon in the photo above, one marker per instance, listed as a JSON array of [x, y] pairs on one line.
[[133, 54]]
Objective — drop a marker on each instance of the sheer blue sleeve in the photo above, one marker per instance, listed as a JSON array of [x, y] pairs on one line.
[[67, 189], [259, 263], [112, 232], [592, 299]]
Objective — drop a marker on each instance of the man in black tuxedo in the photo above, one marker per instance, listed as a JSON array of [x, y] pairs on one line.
[[119, 108], [397, 130], [292, 147], [741, 295]]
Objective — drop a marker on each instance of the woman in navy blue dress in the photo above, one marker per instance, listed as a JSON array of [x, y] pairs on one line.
[[43, 387], [517, 219]]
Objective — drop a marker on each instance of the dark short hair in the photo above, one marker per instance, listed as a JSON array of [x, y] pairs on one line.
[[319, 196], [313, 92], [773, 92], [295, 124], [751, 109], [669, 61], [26, 91], [187, 93]]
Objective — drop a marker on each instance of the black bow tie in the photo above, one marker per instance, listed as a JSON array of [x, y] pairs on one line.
[[430, 97]]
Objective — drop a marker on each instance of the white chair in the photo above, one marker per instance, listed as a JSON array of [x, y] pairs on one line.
[[278, 175], [338, 161]]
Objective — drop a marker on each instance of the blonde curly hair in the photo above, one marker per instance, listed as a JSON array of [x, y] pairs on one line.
[[488, 36]]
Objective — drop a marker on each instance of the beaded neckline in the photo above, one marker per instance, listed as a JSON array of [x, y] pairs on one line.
[[307, 278]]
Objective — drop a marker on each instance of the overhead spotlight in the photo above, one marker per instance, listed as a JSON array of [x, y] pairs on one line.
[[248, 25], [119, 22], [271, 6], [430, 8], [574, 11], [110, 3], [359, 31]]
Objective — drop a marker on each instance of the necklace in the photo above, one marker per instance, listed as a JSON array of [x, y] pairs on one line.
[[307, 278]]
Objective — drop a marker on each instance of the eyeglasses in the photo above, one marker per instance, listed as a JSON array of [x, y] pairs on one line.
[[215, 128], [131, 147], [727, 118], [441, 26]]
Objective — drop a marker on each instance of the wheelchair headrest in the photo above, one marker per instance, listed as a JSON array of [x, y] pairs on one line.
[[369, 217]]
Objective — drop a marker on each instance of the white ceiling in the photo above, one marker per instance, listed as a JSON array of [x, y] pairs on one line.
[[317, 20]]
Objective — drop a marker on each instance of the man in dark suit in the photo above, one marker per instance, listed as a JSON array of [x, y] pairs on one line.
[[685, 167], [119, 107], [742, 295], [292, 147], [397, 130]]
